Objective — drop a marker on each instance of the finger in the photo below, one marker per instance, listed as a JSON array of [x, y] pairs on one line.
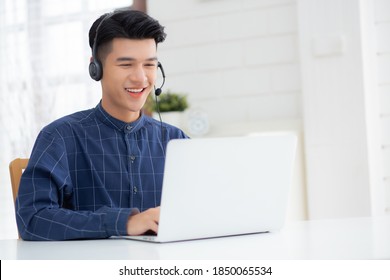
[[155, 228]]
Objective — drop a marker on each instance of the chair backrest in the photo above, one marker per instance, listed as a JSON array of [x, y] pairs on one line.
[[16, 168]]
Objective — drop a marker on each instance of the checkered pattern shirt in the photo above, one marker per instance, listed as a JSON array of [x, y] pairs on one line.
[[88, 172]]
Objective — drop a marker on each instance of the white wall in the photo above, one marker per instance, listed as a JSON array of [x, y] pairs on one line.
[[335, 117], [345, 66], [271, 63], [382, 25], [236, 60]]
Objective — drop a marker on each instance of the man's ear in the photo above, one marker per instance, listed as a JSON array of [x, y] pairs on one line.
[[91, 59]]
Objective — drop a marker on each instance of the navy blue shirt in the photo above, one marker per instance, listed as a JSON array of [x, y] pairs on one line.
[[88, 172]]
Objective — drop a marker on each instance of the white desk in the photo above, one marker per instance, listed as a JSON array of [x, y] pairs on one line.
[[355, 238]]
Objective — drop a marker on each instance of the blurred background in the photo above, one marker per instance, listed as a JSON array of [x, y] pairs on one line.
[[316, 68]]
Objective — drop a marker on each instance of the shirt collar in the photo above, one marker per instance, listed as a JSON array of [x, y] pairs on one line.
[[110, 121]]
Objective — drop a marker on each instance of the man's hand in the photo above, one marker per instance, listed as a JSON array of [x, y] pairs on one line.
[[142, 222]]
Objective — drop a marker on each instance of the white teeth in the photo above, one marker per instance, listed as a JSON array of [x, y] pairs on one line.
[[134, 90]]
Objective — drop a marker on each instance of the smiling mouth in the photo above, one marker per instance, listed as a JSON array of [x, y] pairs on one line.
[[135, 90]]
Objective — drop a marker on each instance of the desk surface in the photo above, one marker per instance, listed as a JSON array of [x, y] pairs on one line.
[[354, 238]]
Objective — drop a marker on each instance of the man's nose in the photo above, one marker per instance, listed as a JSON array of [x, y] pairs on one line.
[[138, 75]]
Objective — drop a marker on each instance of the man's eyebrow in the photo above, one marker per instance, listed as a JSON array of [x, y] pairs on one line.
[[125, 58]]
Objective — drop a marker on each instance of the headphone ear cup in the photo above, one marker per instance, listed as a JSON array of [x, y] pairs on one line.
[[95, 70]]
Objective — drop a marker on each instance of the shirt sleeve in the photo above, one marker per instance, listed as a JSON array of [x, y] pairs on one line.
[[41, 210]]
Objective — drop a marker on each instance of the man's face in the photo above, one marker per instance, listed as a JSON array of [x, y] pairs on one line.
[[129, 74]]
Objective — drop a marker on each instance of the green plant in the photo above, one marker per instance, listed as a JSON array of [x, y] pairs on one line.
[[168, 102]]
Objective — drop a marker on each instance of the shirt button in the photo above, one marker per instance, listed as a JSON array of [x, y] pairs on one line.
[[132, 157], [135, 190], [128, 127]]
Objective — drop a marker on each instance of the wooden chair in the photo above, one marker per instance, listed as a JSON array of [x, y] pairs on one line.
[[16, 168]]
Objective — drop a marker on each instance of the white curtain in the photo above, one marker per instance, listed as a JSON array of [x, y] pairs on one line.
[[44, 56]]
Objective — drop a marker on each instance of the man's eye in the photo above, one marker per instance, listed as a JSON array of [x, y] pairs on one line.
[[151, 65]]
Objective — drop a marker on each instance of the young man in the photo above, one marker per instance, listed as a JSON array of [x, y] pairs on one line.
[[98, 173]]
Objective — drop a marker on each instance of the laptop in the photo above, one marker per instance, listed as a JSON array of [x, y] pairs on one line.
[[216, 187]]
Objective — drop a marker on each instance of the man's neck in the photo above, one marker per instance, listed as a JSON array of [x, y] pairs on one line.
[[121, 114]]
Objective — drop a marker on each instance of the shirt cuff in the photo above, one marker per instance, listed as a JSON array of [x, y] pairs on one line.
[[115, 220]]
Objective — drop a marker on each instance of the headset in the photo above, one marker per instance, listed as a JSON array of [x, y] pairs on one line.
[[158, 91], [96, 68]]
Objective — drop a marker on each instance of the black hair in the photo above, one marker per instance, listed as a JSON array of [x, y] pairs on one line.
[[127, 23]]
